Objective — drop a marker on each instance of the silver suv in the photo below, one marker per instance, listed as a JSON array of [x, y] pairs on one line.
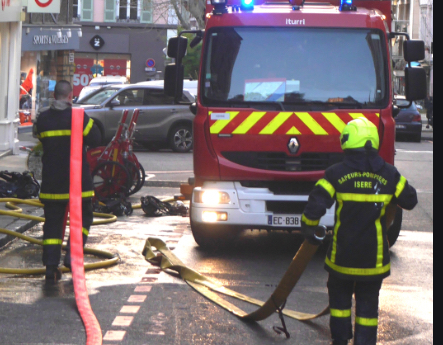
[[161, 122]]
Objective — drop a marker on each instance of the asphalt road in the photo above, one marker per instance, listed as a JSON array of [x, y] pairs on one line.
[[136, 304]]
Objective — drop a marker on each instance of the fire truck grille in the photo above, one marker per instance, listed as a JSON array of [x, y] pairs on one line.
[[283, 187], [280, 161]]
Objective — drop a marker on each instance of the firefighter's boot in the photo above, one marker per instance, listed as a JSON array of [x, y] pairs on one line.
[[53, 273], [67, 260]]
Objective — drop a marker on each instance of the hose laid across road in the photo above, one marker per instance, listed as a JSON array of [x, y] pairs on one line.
[[205, 286]]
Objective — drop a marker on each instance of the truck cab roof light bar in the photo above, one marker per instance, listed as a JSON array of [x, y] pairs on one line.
[[247, 5], [347, 5], [219, 6]]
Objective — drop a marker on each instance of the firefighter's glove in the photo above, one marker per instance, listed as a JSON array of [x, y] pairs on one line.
[[314, 234]]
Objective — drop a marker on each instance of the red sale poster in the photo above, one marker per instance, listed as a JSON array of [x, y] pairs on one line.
[[82, 75], [115, 67]]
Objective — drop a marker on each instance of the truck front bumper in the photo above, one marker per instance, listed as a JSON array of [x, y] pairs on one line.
[[249, 208]]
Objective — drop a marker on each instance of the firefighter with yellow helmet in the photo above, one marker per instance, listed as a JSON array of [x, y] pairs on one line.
[[362, 186]]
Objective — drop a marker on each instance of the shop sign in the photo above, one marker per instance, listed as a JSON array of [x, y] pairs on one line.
[[38, 39], [10, 11], [50, 39], [97, 42], [43, 6]]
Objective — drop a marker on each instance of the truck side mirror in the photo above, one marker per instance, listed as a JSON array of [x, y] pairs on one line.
[[416, 83], [171, 88], [173, 47], [414, 50]]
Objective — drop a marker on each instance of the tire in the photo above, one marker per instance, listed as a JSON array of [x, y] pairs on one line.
[[111, 179], [138, 175], [394, 230], [135, 177], [34, 162], [417, 138], [180, 139]]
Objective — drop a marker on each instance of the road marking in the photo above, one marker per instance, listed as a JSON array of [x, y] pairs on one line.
[[137, 298], [400, 150], [114, 335], [130, 309], [123, 321], [425, 191], [143, 288]]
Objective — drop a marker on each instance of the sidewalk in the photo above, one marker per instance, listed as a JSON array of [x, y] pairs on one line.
[[16, 163], [160, 188]]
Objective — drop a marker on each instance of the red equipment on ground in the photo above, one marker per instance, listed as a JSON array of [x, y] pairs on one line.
[[115, 168]]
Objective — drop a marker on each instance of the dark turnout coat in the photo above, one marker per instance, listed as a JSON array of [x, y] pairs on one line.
[[53, 129], [362, 186]]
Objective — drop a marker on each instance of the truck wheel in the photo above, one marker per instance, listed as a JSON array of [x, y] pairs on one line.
[[180, 139], [394, 230]]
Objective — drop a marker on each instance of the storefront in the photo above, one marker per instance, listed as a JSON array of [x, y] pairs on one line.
[[134, 52], [47, 57]]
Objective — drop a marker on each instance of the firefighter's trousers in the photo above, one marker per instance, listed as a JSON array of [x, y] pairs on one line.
[[53, 228], [366, 313]]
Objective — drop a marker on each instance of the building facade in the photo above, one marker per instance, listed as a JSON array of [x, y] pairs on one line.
[[11, 16], [120, 37]]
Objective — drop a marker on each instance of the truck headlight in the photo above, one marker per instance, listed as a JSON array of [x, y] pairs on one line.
[[212, 197]]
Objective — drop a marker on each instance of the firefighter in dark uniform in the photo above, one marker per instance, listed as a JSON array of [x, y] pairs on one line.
[[363, 187], [53, 129]]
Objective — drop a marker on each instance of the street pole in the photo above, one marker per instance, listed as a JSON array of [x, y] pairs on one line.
[[10, 55]]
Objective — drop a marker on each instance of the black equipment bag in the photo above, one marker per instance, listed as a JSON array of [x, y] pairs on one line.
[[17, 185], [117, 206], [154, 207]]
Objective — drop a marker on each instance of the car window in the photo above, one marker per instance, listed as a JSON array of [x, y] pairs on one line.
[[132, 97], [98, 97], [405, 103], [157, 97]]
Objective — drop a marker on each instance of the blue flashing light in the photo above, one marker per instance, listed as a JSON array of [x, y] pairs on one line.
[[247, 5], [347, 5]]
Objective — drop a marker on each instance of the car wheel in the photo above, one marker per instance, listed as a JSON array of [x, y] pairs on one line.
[[180, 139], [417, 138]]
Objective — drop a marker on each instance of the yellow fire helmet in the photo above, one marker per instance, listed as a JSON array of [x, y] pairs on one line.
[[357, 133]]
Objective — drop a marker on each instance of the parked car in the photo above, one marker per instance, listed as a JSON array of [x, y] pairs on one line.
[[161, 122], [408, 122], [190, 85], [100, 82]]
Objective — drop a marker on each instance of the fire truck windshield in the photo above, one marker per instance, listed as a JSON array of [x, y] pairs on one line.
[[288, 68]]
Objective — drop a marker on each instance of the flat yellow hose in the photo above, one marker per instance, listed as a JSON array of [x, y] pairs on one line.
[[205, 286], [17, 212]]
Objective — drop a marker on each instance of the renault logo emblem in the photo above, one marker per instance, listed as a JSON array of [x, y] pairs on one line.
[[293, 145]]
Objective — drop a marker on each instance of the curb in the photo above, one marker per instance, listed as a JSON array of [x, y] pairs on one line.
[[5, 153], [19, 225], [171, 184]]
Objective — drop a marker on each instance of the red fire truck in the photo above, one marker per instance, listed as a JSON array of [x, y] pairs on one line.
[[278, 82]]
